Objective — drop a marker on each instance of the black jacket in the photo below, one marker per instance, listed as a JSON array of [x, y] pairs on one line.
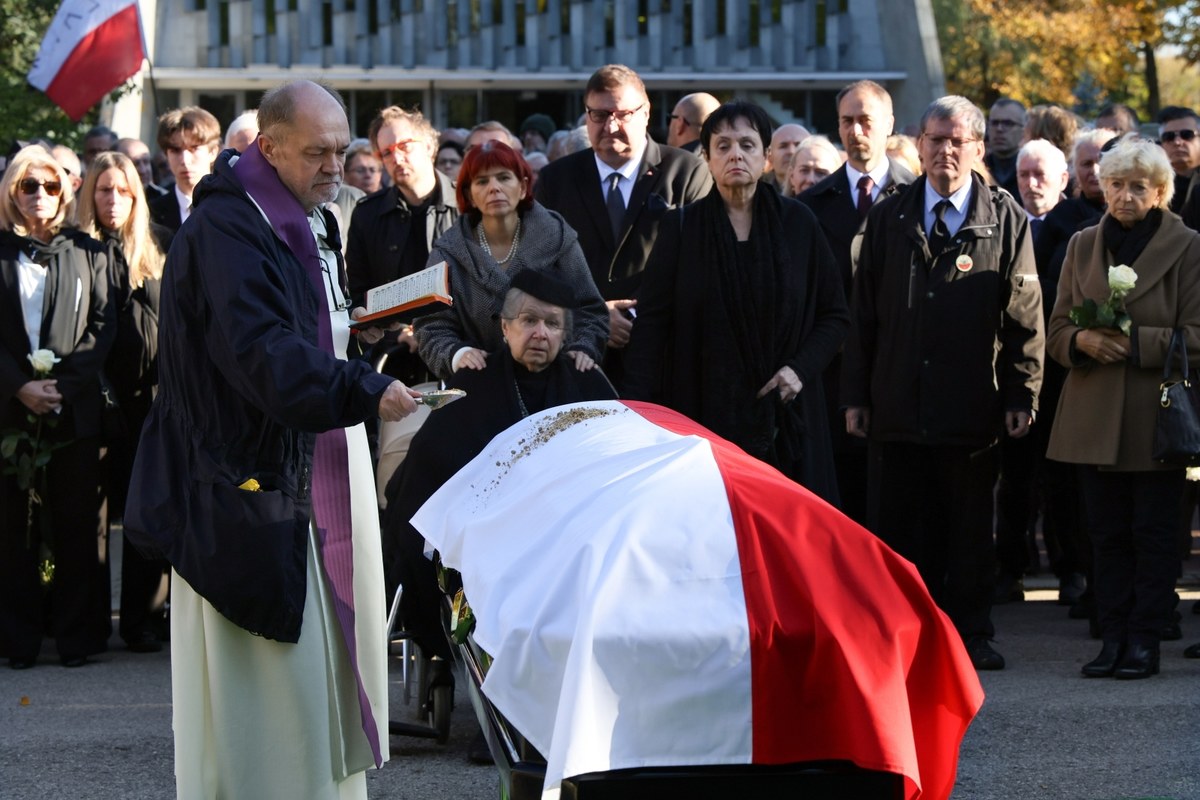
[[379, 231], [836, 208], [78, 324], [940, 348], [243, 390], [667, 178]]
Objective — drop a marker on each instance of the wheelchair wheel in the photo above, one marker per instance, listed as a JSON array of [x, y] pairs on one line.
[[441, 701]]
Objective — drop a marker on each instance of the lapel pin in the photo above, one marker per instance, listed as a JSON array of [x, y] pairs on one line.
[[964, 263]]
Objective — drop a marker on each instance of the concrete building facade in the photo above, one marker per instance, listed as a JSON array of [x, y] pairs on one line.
[[463, 61]]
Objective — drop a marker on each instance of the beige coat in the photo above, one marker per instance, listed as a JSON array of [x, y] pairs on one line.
[[1106, 412]]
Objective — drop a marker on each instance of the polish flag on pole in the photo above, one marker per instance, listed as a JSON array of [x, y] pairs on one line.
[[91, 47], [653, 596]]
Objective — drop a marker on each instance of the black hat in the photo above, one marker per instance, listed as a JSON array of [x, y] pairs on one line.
[[545, 286], [540, 123]]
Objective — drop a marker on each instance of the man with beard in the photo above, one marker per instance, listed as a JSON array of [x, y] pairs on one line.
[[391, 232], [1005, 127]]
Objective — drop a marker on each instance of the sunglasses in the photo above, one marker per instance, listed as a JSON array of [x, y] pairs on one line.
[[30, 186], [1186, 135]]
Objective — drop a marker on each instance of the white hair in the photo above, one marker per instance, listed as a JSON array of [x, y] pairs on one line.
[[1055, 161], [247, 120]]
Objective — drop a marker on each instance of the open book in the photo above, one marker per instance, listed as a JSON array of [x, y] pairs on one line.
[[392, 301]]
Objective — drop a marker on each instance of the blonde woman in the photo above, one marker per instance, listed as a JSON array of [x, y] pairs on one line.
[[54, 295], [112, 208]]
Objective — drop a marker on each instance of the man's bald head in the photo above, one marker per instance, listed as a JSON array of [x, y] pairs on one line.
[[304, 135], [784, 142], [687, 117]]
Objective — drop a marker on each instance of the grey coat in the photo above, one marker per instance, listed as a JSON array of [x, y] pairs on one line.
[[478, 286]]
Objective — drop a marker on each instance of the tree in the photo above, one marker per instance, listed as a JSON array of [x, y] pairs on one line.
[[1071, 52], [28, 112]]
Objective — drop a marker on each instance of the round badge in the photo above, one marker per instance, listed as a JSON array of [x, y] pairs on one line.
[[964, 263]]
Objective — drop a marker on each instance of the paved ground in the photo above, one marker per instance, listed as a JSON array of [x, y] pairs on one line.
[[104, 731]]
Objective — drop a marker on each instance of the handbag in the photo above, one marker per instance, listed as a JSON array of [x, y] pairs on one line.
[[1177, 425]]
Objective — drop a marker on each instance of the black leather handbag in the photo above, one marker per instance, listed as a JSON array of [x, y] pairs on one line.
[[1177, 427]]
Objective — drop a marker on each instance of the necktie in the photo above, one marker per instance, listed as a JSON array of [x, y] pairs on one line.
[[865, 185], [1035, 226], [616, 205], [940, 234]]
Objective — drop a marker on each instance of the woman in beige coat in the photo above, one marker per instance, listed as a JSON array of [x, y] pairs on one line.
[[1106, 414]]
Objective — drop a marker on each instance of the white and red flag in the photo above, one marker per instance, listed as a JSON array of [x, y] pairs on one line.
[[90, 48], [652, 596]]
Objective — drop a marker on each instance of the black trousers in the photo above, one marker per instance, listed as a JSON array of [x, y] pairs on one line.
[[1134, 519], [933, 505], [76, 607]]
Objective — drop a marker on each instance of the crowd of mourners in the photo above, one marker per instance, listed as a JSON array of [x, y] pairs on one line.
[[892, 321]]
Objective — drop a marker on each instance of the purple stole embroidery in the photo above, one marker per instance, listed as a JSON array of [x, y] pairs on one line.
[[331, 473]]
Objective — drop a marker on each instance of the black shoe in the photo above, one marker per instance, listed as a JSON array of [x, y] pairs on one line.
[[1172, 632], [1196, 607], [21, 663], [1140, 661], [1071, 589], [1192, 651], [72, 660], [145, 642], [1008, 590], [1105, 664], [983, 655]]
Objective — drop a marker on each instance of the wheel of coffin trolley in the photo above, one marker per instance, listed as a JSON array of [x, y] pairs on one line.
[[430, 680]]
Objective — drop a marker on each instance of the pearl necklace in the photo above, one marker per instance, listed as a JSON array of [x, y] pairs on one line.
[[512, 251]]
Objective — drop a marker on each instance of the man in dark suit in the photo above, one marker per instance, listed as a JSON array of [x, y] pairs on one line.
[[615, 193], [191, 138], [864, 123], [687, 117]]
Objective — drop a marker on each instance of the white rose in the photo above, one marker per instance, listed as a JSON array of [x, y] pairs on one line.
[[43, 361], [1121, 279]]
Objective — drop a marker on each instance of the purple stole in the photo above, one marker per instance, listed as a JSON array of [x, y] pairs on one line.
[[331, 473]]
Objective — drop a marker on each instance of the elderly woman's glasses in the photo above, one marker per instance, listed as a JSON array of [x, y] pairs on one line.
[[527, 321], [30, 186]]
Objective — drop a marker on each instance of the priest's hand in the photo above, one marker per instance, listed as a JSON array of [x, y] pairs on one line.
[[397, 402], [786, 381], [858, 421]]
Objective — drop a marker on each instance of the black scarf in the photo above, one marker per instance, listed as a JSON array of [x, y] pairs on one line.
[[1126, 244], [752, 287]]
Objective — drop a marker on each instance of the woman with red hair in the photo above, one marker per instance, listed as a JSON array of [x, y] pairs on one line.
[[502, 230]]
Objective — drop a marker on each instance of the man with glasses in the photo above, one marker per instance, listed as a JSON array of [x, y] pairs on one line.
[[1005, 128], [615, 193], [392, 231], [137, 152], [1177, 131], [687, 117], [191, 139], [943, 358]]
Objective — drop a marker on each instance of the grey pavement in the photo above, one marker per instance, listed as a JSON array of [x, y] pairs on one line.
[[104, 730]]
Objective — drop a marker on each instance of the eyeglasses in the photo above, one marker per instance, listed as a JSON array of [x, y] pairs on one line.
[[30, 186], [1004, 124], [449, 162], [370, 171], [601, 115], [528, 322], [686, 121], [404, 145], [1186, 135], [939, 142]]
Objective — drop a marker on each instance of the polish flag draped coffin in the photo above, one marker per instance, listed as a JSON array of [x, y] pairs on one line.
[[652, 596], [91, 48]]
